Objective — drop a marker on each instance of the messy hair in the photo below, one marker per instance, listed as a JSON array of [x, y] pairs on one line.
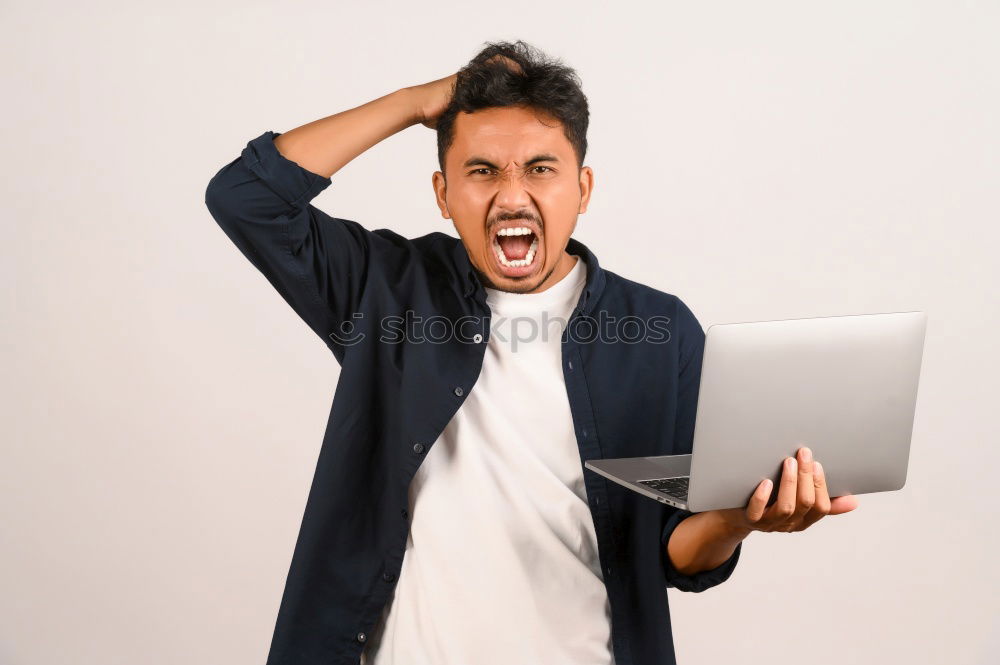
[[542, 83]]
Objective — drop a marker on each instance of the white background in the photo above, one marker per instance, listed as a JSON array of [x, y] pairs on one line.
[[163, 407]]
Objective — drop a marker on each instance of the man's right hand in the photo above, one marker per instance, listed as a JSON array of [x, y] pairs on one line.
[[433, 98]]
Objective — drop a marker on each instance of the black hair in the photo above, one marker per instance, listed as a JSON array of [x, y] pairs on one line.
[[543, 83]]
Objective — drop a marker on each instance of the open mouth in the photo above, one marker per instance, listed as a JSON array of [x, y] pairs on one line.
[[515, 248]]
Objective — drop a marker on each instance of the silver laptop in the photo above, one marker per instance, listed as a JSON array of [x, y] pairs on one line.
[[845, 386]]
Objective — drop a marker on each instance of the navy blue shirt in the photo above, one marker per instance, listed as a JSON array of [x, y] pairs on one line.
[[408, 323]]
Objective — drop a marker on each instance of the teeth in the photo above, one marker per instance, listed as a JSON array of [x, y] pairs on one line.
[[515, 231], [518, 263]]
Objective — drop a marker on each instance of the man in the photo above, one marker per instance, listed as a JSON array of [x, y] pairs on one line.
[[450, 520]]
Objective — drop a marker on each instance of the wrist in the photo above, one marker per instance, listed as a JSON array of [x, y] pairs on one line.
[[729, 528], [412, 101]]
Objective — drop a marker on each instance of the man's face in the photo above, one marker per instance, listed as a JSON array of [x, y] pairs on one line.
[[513, 192]]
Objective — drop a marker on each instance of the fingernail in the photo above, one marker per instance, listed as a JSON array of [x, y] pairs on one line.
[[806, 455], [817, 468], [791, 464]]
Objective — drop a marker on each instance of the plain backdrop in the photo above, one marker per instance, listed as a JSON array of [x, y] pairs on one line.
[[163, 408]]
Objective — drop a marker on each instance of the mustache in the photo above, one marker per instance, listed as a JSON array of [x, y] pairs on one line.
[[515, 217]]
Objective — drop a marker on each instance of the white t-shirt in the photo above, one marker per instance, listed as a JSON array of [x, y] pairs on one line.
[[501, 564]]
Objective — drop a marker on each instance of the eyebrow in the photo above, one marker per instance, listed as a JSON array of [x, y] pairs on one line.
[[472, 161]]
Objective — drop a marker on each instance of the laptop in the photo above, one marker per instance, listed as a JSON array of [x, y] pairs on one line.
[[845, 386]]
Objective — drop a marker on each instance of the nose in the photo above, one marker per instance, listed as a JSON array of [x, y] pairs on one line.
[[511, 192]]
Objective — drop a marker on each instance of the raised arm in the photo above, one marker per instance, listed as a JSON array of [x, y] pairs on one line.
[[324, 146], [262, 201]]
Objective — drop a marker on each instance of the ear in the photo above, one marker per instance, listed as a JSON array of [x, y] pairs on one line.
[[441, 193], [586, 187]]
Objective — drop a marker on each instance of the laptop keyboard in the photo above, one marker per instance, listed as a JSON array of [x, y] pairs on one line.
[[675, 487]]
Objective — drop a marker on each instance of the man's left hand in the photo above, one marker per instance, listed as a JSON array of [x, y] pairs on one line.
[[802, 500]]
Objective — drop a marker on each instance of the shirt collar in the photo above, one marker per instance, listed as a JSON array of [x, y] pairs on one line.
[[472, 287]]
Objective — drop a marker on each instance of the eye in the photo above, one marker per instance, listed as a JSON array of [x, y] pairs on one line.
[[486, 171]]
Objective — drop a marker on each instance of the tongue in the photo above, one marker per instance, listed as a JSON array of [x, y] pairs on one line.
[[515, 247]]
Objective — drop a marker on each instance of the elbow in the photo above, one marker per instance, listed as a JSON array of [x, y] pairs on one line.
[[220, 198], [236, 196]]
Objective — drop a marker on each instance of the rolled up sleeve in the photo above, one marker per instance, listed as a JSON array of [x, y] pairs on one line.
[[318, 263], [700, 581]]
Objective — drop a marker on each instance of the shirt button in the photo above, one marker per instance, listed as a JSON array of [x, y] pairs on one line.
[[388, 577], [477, 338], [458, 391], [362, 637], [584, 434], [597, 500], [418, 448], [404, 513], [570, 365], [608, 571]]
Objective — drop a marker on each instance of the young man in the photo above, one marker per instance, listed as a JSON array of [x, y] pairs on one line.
[[451, 520]]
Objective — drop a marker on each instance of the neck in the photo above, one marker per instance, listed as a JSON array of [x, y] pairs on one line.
[[566, 263]]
